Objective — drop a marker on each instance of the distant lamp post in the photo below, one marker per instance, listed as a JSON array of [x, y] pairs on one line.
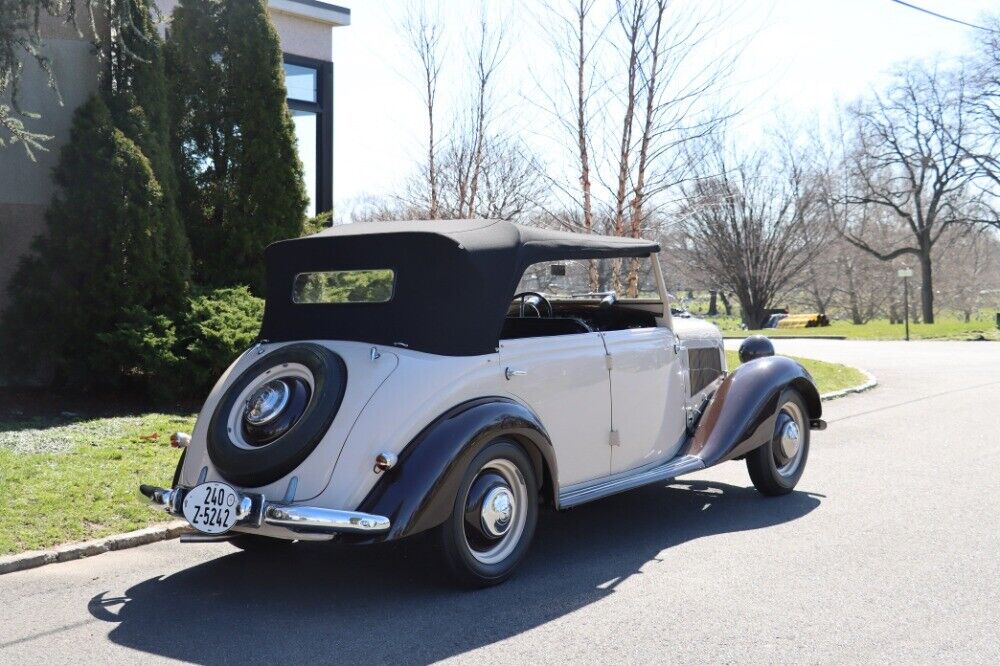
[[906, 274]]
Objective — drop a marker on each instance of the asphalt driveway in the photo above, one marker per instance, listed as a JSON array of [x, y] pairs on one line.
[[889, 551]]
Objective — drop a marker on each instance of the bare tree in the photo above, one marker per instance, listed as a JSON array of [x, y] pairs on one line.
[[984, 142], [423, 35], [575, 37], [744, 221], [970, 266], [907, 157], [510, 181], [655, 90], [582, 9], [487, 59]]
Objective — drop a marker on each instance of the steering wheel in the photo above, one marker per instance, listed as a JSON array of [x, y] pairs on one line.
[[535, 301]]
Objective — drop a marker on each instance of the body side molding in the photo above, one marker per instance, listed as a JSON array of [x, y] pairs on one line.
[[683, 464]]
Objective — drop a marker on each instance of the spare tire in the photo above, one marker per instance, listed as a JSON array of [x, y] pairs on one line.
[[258, 464]]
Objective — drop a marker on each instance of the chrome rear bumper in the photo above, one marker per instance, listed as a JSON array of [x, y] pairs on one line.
[[254, 510]]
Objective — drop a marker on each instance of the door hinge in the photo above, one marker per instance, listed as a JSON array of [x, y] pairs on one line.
[[614, 439], [608, 361]]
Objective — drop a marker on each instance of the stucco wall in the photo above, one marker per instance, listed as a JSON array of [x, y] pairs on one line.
[[298, 34], [26, 187], [304, 37]]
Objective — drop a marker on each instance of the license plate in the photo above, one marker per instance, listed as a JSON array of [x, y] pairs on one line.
[[211, 507]]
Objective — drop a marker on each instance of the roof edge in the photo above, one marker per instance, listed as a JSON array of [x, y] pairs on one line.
[[317, 10]]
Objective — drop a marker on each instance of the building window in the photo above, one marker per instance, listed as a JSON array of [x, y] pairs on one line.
[[310, 96]]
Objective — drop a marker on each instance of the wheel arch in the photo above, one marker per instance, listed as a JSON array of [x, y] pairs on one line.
[[810, 394], [418, 493], [740, 415]]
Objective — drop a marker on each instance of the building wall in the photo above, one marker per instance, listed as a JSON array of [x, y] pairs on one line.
[[26, 187]]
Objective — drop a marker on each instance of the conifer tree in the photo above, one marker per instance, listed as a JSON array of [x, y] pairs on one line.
[[137, 96], [234, 141], [98, 258]]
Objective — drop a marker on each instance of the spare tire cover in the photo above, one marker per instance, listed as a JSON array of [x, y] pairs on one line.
[[259, 466]]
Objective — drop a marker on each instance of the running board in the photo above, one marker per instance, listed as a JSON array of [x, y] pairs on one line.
[[668, 470]]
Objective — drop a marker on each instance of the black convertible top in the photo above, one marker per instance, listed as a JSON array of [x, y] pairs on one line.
[[454, 280]]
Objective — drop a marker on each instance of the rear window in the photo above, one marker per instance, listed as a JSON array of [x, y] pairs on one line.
[[360, 286]]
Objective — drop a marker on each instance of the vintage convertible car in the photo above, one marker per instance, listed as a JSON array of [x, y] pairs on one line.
[[448, 378]]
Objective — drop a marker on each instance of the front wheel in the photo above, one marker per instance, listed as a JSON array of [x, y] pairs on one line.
[[777, 466], [494, 516]]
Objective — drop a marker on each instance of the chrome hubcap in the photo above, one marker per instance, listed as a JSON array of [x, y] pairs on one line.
[[790, 439], [495, 516], [498, 507], [786, 447], [267, 402]]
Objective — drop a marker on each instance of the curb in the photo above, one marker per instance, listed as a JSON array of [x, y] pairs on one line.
[[790, 337], [75, 551], [860, 388]]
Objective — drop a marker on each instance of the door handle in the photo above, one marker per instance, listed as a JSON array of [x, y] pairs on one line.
[[510, 372]]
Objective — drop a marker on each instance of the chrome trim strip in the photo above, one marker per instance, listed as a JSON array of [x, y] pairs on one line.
[[316, 519], [603, 488]]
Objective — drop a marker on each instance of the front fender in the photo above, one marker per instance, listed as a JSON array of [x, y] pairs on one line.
[[740, 415], [419, 492]]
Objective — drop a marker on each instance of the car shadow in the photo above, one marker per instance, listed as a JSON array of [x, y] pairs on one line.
[[392, 603]]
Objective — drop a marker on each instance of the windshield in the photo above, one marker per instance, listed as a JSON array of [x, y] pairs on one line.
[[589, 279]]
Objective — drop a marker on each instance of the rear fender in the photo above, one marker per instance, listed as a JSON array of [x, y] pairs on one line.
[[740, 416], [419, 492]]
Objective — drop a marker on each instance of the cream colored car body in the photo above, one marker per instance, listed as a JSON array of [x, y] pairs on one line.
[[613, 404]]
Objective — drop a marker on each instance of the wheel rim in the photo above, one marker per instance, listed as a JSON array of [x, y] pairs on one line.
[[287, 374], [496, 510], [787, 445]]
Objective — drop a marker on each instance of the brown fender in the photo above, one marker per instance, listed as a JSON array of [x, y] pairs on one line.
[[740, 416]]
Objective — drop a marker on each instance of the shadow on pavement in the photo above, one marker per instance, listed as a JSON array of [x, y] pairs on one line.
[[391, 603]]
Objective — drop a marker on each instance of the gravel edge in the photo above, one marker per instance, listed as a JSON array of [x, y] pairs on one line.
[[75, 551]]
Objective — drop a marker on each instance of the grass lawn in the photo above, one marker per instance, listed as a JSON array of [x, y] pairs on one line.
[[879, 329], [828, 376], [65, 479]]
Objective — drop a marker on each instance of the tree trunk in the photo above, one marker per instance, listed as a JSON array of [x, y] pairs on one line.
[[713, 306], [926, 287], [725, 304], [754, 315], [852, 296]]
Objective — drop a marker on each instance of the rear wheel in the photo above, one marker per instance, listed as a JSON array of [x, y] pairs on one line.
[[494, 516], [777, 466]]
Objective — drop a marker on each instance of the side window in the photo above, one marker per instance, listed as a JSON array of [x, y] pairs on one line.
[[591, 279]]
